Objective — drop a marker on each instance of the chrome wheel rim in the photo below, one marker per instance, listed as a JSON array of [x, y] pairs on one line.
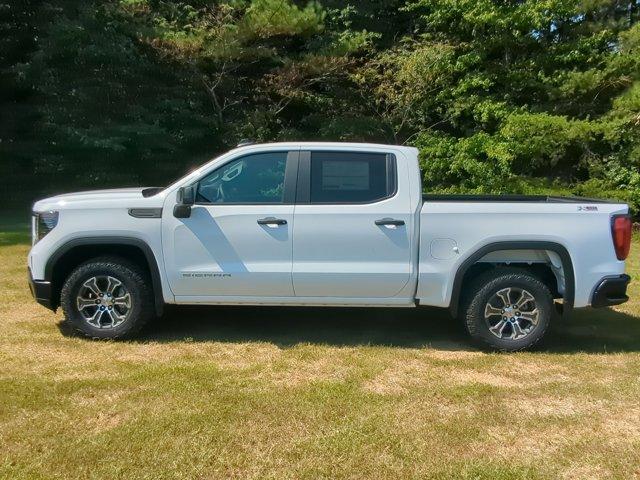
[[104, 301], [511, 313]]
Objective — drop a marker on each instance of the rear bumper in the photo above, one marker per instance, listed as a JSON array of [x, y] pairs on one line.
[[611, 291], [41, 291]]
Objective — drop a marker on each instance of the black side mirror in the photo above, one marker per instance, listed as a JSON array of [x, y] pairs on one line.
[[186, 198]]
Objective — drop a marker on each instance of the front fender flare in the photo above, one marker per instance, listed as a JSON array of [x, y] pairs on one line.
[[152, 263]]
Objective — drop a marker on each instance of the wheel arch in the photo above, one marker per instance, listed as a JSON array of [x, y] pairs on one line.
[[77, 250], [559, 249]]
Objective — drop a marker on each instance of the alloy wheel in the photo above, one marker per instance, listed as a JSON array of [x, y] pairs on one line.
[[511, 313], [104, 301]]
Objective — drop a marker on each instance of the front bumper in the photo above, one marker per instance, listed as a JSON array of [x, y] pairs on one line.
[[42, 292], [611, 291]]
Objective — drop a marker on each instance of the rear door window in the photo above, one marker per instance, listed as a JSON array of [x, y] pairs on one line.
[[347, 177]]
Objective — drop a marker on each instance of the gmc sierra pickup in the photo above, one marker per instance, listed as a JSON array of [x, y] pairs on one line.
[[327, 224]]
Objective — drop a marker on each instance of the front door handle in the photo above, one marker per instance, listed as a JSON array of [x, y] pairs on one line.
[[390, 222], [272, 221]]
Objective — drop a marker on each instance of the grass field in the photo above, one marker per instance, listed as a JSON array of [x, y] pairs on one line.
[[210, 393]]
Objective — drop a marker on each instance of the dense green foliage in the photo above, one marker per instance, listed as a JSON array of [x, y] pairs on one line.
[[500, 96]]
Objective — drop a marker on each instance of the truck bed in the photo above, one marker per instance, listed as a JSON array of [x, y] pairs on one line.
[[454, 226]]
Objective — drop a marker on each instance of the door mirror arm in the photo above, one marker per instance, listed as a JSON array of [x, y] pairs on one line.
[[186, 198]]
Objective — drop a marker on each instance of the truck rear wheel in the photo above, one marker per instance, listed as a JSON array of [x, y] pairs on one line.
[[107, 298], [507, 309]]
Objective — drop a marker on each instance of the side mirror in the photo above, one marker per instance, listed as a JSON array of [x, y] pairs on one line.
[[186, 198]]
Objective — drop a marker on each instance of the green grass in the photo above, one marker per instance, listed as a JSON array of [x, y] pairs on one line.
[[210, 393]]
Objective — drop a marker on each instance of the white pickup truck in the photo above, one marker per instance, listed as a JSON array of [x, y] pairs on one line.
[[327, 224]]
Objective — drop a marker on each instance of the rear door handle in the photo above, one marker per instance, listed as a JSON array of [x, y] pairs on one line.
[[390, 222], [272, 221]]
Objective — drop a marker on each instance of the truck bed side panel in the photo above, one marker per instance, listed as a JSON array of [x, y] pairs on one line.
[[451, 232]]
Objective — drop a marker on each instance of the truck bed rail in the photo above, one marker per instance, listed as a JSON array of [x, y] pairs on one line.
[[511, 198]]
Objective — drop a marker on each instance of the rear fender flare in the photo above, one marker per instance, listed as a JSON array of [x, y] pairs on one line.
[[563, 253]]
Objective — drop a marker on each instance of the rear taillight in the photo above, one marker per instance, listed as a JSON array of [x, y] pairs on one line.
[[621, 234]]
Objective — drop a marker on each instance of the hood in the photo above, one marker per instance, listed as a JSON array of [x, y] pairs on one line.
[[88, 197]]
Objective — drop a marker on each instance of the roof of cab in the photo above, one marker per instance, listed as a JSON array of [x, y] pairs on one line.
[[337, 145]]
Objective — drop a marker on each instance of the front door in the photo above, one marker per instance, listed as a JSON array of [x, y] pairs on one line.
[[238, 240]]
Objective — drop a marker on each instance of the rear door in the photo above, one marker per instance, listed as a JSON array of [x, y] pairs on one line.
[[351, 236]]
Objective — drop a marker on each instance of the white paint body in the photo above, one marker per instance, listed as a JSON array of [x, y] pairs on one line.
[[332, 254]]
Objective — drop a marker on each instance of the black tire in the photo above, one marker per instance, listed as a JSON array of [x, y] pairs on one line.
[[133, 278], [485, 288]]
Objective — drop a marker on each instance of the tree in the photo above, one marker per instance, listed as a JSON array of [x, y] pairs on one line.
[[499, 95]]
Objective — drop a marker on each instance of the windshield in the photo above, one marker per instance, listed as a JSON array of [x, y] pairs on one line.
[[151, 191]]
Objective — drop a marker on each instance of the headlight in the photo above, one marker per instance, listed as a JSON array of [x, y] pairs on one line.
[[42, 223]]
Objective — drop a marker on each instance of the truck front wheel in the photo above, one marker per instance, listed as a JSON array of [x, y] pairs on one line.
[[107, 298], [507, 309]]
